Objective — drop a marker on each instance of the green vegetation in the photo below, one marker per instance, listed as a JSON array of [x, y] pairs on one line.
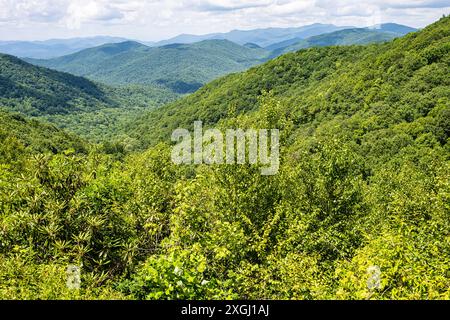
[[402, 80], [363, 184], [37, 91], [19, 136], [338, 38], [92, 110], [178, 67], [184, 68]]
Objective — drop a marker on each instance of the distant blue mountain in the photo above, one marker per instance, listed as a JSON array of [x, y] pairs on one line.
[[53, 48], [184, 67], [398, 29], [354, 36], [260, 37]]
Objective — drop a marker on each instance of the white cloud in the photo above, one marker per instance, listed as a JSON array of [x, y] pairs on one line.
[[32, 10], [153, 19], [81, 11], [227, 5]]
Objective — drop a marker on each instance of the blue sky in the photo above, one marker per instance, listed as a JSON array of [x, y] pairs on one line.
[[156, 20]]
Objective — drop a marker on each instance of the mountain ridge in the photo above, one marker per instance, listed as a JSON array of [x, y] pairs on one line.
[[52, 48], [182, 68], [283, 74]]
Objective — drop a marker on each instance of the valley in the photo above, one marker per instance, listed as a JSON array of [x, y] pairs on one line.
[[86, 176]]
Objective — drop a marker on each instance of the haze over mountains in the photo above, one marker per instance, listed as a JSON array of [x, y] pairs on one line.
[[127, 77], [261, 37], [356, 36], [53, 48]]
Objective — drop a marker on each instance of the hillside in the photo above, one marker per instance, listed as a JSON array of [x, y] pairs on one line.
[[358, 210], [180, 68], [346, 37], [395, 28], [314, 82], [90, 109], [184, 68], [38, 91], [87, 61], [363, 182], [20, 136]]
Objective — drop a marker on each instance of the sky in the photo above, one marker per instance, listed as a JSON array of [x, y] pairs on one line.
[[152, 20]]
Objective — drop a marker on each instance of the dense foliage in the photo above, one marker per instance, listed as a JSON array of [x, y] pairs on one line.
[[184, 68], [93, 110], [181, 68], [402, 80], [338, 38], [35, 91], [363, 185]]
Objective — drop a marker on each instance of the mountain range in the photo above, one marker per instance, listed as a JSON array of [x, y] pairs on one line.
[[356, 36], [128, 78], [262, 37], [75, 103], [53, 48], [358, 210], [321, 81], [184, 68]]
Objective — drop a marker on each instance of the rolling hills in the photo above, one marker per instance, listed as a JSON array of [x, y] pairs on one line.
[[36, 91], [184, 68], [53, 48], [319, 82], [137, 77], [90, 109], [359, 209], [260, 37], [386, 31], [180, 68], [339, 38]]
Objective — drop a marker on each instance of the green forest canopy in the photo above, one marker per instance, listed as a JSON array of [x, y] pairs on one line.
[[363, 184]]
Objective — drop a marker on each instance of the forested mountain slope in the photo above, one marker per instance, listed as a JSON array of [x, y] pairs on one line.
[[184, 68], [338, 38], [181, 68], [36, 91], [403, 78], [21, 136], [347, 36], [395, 28], [359, 208], [90, 109], [87, 61]]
